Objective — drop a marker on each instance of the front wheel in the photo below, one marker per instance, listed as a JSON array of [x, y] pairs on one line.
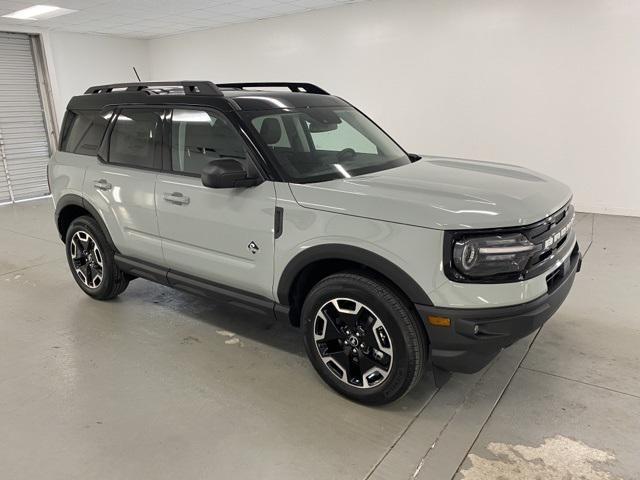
[[362, 338]]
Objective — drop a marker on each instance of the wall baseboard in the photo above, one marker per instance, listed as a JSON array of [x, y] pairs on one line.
[[624, 212]]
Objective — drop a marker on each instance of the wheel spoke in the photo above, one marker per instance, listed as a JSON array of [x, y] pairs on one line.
[[364, 318], [346, 311], [378, 358], [329, 347], [369, 338], [88, 272], [332, 330], [354, 372], [352, 369], [84, 244]]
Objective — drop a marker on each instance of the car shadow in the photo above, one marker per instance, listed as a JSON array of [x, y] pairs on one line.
[[241, 320]]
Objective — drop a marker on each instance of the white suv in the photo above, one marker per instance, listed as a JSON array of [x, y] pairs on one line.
[[285, 198]]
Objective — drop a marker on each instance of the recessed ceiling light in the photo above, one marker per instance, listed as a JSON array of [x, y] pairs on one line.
[[39, 12]]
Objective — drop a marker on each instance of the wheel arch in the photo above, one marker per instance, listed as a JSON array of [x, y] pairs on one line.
[[311, 265], [70, 207]]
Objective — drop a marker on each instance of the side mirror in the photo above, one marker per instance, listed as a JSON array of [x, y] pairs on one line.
[[227, 173]]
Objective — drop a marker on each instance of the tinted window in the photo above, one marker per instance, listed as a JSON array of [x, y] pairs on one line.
[[84, 131], [343, 137], [324, 143], [197, 137], [135, 138]]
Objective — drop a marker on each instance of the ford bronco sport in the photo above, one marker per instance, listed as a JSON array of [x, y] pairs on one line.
[[285, 198]]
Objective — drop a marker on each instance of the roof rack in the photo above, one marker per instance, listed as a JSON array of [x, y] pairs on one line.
[[293, 86], [189, 87]]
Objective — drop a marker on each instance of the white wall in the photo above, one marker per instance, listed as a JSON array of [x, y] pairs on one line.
[[548, 84], [79, 61]]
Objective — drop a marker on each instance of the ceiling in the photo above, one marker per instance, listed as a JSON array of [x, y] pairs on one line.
[[157, 18]]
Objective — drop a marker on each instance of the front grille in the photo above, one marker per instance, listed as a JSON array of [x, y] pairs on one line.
[[554, 235]]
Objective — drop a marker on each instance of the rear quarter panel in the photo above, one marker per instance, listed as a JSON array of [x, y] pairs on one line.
[[66, 174]]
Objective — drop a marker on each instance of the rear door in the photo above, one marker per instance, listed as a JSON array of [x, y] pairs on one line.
[[221, 235], [121, 184]]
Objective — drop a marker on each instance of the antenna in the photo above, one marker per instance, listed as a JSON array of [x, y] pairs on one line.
[[136, 72]]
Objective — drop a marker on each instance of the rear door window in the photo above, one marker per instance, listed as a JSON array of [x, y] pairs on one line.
[[136, 138]]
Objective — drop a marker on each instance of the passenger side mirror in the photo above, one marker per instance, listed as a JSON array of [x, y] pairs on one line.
[[227, 173]]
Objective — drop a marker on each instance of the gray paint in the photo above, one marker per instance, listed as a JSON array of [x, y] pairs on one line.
[[442, 193]]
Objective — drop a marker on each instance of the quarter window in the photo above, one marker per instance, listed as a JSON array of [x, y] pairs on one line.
[[135, 138], [84, 131], [198, 136]]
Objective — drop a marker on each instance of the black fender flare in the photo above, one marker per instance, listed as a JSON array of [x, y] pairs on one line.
[[71, 199], [337, 251]]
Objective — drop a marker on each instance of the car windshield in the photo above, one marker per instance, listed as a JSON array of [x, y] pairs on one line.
[[324, 143]]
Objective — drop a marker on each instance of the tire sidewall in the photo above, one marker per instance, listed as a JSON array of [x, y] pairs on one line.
[[386, 312]]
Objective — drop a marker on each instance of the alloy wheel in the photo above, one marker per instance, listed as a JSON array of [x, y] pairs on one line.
[[353, 342], [86, 258]]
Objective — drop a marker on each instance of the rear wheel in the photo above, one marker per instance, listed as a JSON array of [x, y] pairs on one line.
[[91, 260], [362, 338]]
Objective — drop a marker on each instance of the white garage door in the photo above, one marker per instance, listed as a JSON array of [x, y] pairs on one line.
[[24, 145]]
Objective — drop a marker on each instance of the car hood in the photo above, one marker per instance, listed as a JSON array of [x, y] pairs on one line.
[[441, 193]]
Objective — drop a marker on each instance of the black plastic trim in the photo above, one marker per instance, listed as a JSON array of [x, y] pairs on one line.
[[142, 269], [297, 87], [207, 288], [197, 286], [71, 199], [278, 220], [190, 87], [336, 251]]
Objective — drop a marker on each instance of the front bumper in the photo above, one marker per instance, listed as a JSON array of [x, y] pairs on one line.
[[475, 336]]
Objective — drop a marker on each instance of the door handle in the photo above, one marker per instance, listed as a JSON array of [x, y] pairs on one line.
[[102, 184], [176, 198]]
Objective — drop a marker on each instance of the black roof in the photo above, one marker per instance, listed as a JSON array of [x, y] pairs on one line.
[[227, 97]]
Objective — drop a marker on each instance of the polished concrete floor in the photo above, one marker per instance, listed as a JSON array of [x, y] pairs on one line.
[[161, 384]]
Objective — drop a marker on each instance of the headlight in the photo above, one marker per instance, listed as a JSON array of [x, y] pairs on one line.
[[491, 255], [510, 254]]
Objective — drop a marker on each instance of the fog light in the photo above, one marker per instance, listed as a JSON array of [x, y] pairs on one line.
[[476, 329], [439, 321]]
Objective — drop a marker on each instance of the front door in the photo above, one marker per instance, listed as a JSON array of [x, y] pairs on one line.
[[221, 235]]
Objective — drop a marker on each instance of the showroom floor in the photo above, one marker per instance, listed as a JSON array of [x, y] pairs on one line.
[[161, 384]]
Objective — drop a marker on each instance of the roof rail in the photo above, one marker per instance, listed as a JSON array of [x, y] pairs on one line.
[[293, 86], [197, 87]]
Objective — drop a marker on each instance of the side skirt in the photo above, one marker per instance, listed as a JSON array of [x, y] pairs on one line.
[[199, 286]]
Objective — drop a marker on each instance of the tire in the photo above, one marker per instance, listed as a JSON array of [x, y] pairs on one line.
[[391, 346], [87, 247]]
